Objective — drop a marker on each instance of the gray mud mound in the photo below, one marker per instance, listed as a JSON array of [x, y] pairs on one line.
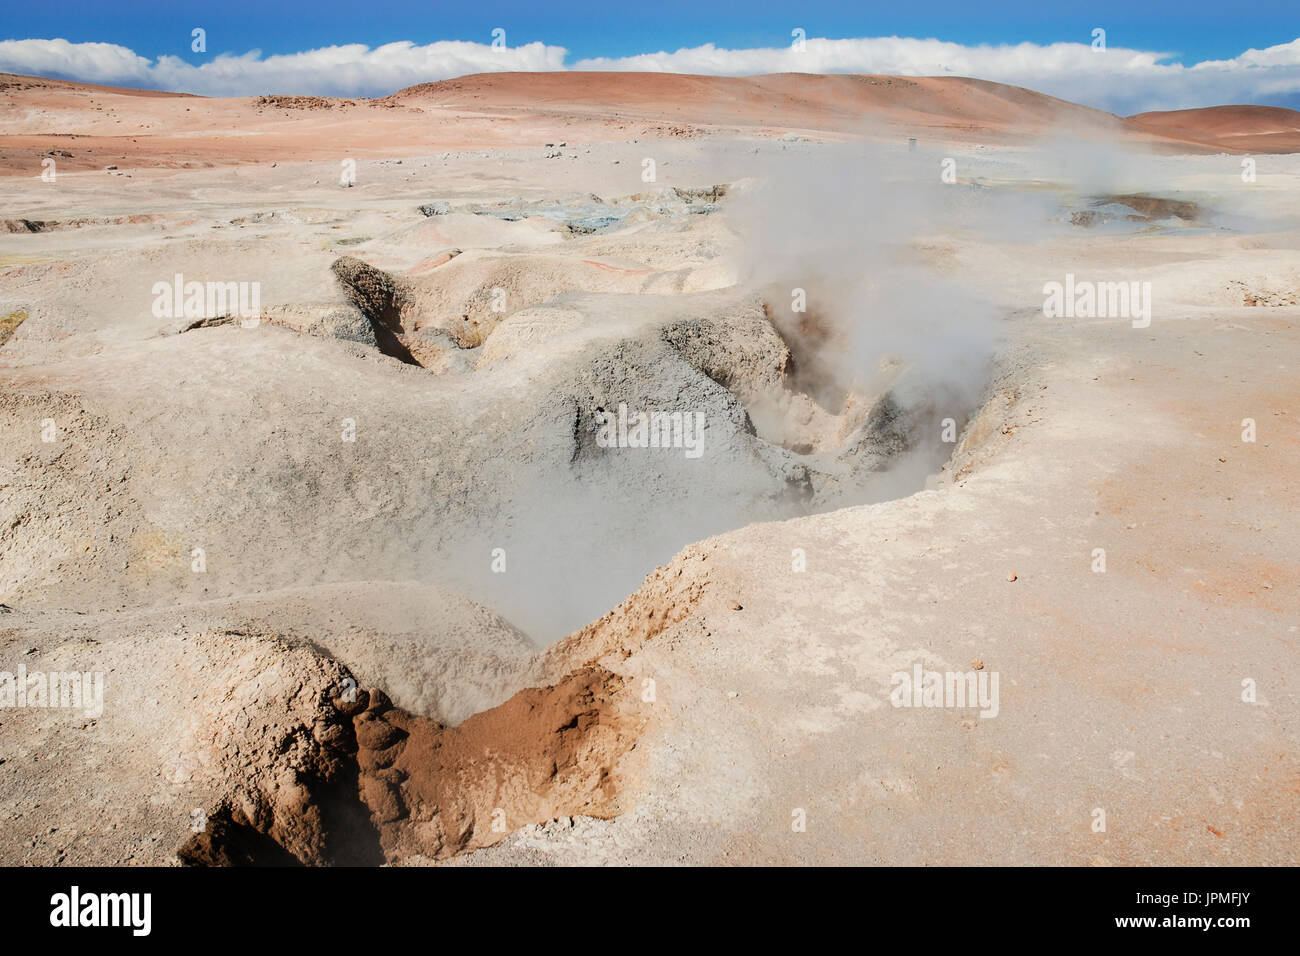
[[364, 472]]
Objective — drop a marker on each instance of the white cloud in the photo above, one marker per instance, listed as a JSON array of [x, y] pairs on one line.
[[350, 70], [1120, 80], [92, 62]]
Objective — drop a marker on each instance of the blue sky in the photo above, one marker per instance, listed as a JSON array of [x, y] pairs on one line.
[[1198, 29], [150, 42]]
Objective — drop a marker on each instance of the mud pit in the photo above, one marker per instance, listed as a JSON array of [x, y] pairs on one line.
[[363, 526], [383, 785], [474, 461]]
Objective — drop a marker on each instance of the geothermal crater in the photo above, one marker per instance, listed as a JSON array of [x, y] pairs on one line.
[[432, 415]]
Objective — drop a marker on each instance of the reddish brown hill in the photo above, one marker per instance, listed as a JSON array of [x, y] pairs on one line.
[[87, 127], [834, 103], [1235, 129]]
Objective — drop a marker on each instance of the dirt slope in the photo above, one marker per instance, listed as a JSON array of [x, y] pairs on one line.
[[1232, 129]]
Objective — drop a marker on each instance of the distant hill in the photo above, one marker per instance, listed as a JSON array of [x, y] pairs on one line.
[[1234, 129], [833, 103], [87, 126]]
